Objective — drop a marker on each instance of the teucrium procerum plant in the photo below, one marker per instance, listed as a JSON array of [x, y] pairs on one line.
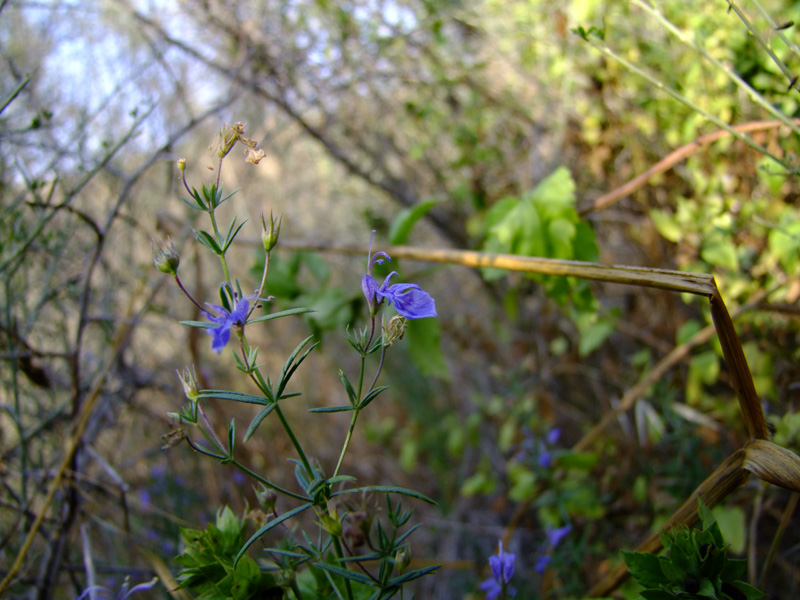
[[352, 551]]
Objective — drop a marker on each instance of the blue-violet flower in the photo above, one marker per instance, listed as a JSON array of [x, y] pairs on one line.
[[502, 571], [409, 299], [225, 320]]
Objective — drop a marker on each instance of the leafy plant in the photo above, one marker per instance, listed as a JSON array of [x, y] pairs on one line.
[[209, 566], [695, 565]]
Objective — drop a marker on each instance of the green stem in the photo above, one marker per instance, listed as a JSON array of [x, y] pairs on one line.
[[754, 95], [287, 428], [268, 483], [781, 65], [685, 101], [258, 379], [350, 430], [337, 545], [222, 258], [261, 287], [347, 439]]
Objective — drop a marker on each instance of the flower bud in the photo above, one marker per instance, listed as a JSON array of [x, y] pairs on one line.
[[329, 521], [188, 379], [403, 558], [266, 497], [181, 164], [165, 257], [270, 232], [394, 330]]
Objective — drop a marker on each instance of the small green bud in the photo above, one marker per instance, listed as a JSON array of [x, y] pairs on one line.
[[266, 497], [181, 164], [188, 379], [394, 330], [403, 558], [165, 257], [270, 232], [329, 521]]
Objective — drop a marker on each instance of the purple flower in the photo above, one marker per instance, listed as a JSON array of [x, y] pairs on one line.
[[502, 571], [225, 320], [554, 536], [545, 458], [542, 562], [409, 299], [124, 593]]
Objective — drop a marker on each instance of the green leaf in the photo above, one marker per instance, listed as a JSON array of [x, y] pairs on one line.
[[592, 336], [356, 576], [666, 224], [262, 414], [235, 396], [202, 324], [277, 315], [645, 568], [403, 223], [207, 241], [583, 461], [231, 236], [372, 395], [386, 489], [331, 409], [351, 393], [272, 524], [720, 253], [561, 233], [412, 575], [750, 592]]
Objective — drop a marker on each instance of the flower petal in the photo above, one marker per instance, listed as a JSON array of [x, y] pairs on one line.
[[492, 589], [369, 286], [409, 299]]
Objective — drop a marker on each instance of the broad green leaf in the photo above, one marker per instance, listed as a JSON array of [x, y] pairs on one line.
[[720, 253], [404, 222], [667, 226]]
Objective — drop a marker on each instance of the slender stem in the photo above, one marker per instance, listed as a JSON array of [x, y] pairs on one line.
[[605, 49], [754, 95], [337, 545], [262, 285], [764, 46], [258, 379], [219, 239], [214, 437], [188, 295], [296, 590], [202, 450], [295, 442], [346, 444], [357, 410], [268, 483]]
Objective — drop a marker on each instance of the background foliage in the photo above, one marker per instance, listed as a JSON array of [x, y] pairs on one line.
[[474, 125]]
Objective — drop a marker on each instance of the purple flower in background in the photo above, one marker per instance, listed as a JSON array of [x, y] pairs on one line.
[[502, 571], [545, 458], [225, 320], [554, 537], [125, 591], [409, 300]]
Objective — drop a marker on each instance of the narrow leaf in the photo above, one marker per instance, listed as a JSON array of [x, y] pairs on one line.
[[275, 522], [257, 420], [388, 489], [235, 396], [344, 573], [278, 315]]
